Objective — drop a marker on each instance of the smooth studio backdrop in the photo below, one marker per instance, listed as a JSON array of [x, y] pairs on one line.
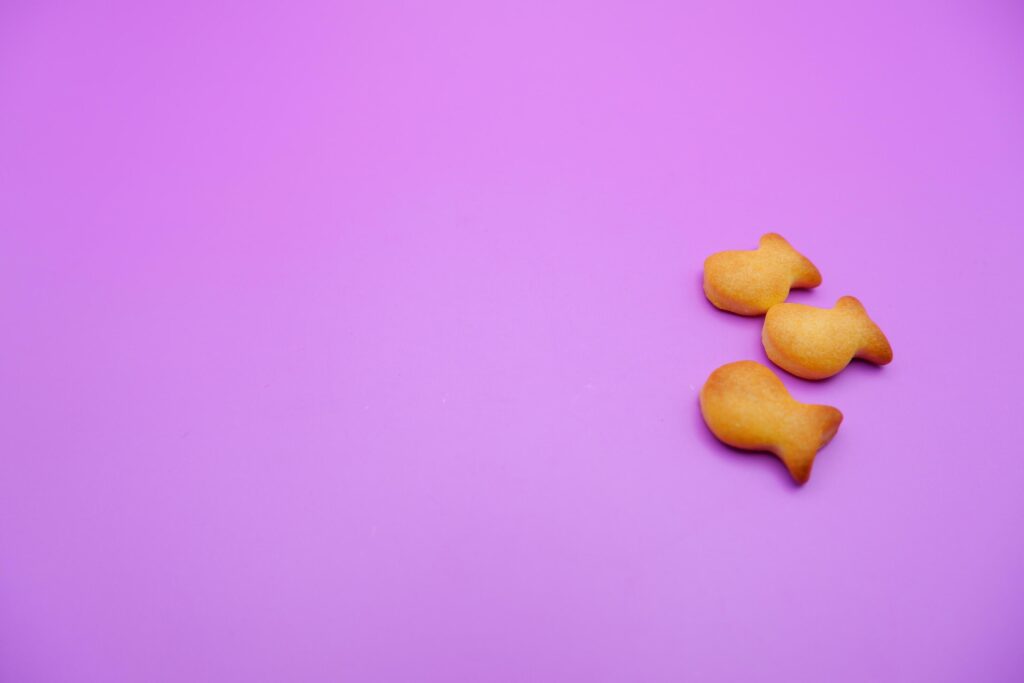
[[361, 341]]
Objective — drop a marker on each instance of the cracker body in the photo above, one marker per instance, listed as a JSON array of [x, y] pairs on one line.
[[751, 282], [815, 343], [746, 405]]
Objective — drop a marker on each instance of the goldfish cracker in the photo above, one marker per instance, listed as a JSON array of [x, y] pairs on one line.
[[746, 406], [815, 343], [751, 282]]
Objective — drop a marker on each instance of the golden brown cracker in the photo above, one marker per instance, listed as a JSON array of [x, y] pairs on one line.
[[746, 406], [751, 282], [815, 343]]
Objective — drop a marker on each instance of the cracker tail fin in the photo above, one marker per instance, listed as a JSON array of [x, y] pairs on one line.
[[874, 346], [799, 461], [820, 425], [805, 274]]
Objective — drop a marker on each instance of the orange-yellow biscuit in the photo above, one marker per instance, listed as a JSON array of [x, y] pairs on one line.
[[815, 343], [751, 282], [746, 405]]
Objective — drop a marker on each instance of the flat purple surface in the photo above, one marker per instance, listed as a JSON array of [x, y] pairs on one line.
[[362, 342]]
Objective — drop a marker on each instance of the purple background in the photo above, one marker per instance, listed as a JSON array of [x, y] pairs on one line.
[[361, 342]]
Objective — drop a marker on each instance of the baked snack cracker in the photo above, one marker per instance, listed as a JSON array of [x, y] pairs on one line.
[[751, 282], [746, 405], [815, 343]]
